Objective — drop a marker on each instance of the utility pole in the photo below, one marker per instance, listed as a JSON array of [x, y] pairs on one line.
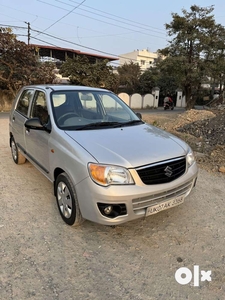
[[28, 32]]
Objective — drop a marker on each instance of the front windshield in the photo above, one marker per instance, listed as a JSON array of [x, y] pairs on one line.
[[76, 110]]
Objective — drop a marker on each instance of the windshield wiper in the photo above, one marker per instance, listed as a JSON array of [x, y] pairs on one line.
[[133, 122], [99, 125]]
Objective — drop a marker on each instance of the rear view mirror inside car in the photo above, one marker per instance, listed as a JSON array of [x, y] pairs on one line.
[[85, 97]]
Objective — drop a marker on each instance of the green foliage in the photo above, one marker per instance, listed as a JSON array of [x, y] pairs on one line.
[[197, 43], [148, 80], [160, 77], [18, 64], [129, 75], [170, 75], [81, 72], [77, 69], [43, 73]]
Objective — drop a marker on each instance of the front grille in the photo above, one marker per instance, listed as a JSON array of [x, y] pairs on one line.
[[157, 198], [162, 172]]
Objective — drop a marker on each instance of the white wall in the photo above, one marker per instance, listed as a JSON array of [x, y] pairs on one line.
[[149, 100], [125, 97], [137, 101]]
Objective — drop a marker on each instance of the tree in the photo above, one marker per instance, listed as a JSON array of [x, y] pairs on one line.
[[19, 65], [148, 80], [170, 75], [81, 72], [112, 82], [216, 57], [101, 75], [43, 73], [77, 69], [167, 84], [189, 50], [129, 75]]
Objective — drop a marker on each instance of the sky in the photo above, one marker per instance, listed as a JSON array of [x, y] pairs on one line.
[[106, 27]]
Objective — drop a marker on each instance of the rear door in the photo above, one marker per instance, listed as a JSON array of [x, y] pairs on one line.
[[19, 117]]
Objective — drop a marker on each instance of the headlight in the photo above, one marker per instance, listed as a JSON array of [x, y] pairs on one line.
[[190, 158], [107, 175]]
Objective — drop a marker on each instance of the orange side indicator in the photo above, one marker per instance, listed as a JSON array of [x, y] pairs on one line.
[[98, 173]]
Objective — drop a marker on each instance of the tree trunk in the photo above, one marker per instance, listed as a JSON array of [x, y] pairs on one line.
[[190, 100]]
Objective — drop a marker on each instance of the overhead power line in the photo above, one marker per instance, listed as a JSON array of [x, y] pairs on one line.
[[67, 41], [63, 17], [76, 44], [119, 17], [120, 20], [114, 63], [86, 47], [13, 26], [108, 23], [45, 42], [130, 30]]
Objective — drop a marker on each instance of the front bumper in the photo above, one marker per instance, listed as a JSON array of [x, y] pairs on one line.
[[136, 197]]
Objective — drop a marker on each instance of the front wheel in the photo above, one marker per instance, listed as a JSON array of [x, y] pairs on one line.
[[67, 200], [17, 156]]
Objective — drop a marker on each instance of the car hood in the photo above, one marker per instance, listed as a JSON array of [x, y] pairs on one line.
[[131, 146]]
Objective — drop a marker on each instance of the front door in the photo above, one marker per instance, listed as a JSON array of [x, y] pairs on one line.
[[37, 141]]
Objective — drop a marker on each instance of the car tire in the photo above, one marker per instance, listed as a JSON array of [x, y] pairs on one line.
[[17, 156], [67, 201]]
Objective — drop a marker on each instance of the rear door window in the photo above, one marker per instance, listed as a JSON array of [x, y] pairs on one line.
[[24, 101]]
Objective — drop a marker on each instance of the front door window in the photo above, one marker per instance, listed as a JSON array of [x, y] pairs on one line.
[[39, 108]]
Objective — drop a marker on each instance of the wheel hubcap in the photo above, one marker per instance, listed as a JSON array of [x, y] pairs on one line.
[[14, 150], [64, 200]]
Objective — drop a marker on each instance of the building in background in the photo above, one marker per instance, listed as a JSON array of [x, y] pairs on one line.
[[58, 54], [144, 58]]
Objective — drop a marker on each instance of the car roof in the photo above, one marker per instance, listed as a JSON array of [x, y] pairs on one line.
[[61, 87]]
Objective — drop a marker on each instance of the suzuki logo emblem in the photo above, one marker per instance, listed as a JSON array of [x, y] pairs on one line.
[[168, 171]]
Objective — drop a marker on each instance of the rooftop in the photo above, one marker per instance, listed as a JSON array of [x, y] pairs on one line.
[[71, 51]]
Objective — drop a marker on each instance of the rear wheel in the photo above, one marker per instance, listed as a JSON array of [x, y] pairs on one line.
[[67, 200], [16, 154]]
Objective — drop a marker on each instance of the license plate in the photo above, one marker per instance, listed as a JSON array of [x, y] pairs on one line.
[[151, 210]]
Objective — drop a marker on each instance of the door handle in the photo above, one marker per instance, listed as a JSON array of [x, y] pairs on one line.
[[13, 119]]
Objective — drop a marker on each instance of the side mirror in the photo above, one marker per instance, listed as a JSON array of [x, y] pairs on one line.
[[139, 115], [34, 123]]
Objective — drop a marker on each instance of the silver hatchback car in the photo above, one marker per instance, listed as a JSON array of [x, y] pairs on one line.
[[105, 163]]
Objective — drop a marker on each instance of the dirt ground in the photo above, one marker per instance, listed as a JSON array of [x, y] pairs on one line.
[[44, 259], [203, 130]]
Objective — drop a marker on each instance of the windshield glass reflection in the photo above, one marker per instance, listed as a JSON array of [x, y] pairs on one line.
[[81, 109]]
